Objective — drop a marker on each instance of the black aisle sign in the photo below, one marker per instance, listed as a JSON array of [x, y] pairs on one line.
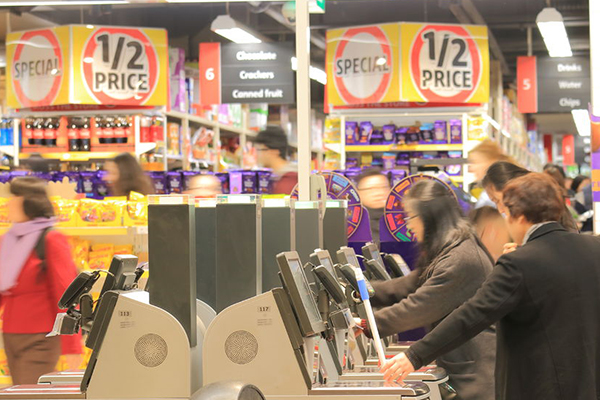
[[563, 84], [257, 73]]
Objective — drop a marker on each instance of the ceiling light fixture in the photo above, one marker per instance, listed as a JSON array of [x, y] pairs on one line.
[[233, 30], [582, 122], [551, 26], [314, 73], [27, 3]]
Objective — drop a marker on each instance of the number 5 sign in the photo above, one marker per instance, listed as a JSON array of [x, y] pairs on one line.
[[119, 66], [445, 63]]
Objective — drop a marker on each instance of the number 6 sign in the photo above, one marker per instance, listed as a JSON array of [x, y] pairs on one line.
[[120, 66]]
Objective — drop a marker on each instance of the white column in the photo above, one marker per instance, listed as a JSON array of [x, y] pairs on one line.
[[595, 76], [303, 98]]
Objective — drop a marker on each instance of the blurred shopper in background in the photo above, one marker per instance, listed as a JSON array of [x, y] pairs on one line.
[[204, 186], [545, 297], [452, 265], [582, 201], [480, 159], [272, 150], [579, 183], [557, 173], [491, 229], [373, 189], [36, 267], [125, 175]]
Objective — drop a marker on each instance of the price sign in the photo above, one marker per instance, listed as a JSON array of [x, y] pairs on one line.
[[120, 66], [445, 63]]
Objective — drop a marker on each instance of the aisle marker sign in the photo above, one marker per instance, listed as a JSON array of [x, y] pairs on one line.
[[37, 67], [363, 62], [527, 86], [445, 63], [119, 66], [210, 73]]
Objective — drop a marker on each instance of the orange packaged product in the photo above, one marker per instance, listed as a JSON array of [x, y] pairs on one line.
[[136, 213], [81, 251], [108, 247], [66, 211], [108, 212], [100, 259], [124, 249]]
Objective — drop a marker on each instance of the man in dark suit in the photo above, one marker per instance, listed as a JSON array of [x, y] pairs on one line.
[[545, 297]]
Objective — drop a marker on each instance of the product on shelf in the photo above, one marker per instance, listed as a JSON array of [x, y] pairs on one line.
[[455, 131], [173, 138], [6, 132], [107, 212], [66, 211], [351, 131], [85, 134], [175, 182], [365, 132], [136, 212], [389, 134]]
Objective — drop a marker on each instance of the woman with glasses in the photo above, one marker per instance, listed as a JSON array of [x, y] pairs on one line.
[[452, 266]]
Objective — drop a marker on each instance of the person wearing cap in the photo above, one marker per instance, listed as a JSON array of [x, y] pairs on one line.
[[272, 148]]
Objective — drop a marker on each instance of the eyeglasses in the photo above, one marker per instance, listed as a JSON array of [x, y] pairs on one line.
[[406, 219]]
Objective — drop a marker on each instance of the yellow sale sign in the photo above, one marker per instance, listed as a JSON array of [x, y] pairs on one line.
[[37, 67], [95, 65], [363, 64], [119, 66], [445, 63]]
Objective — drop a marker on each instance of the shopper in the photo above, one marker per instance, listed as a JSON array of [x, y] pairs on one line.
[[452, 266], [501, 173], [579, 183], [480, 159], [204, 186], [491, 229], [373, 189], [36, 267], [545, 297], [272, 148], [125, 175]]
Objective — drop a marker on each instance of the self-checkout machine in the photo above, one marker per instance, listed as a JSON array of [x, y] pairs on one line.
[[270, 341], [144, 344]]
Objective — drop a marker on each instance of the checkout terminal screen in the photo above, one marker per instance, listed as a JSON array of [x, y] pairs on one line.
[[353, 260], [305, 293], [326, 262]]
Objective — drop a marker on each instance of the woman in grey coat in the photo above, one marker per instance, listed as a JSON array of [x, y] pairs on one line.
[[452, 266]]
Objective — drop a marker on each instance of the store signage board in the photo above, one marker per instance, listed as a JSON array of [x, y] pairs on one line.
[[91, 65], [210, 73], [37, 67], [564, 84], [408, 62], [254, 73], [120, 66], [527, 86]]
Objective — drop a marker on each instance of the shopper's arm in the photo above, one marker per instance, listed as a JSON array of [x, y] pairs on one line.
[[392, 291], [450, 285], [498, 296], [61, 271]]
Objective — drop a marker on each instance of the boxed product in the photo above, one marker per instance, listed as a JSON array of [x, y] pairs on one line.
[[426, 134], [264, 181], [389, 134], [351, 162], [455, 131], [88, 180], [351, 131], [376, 137], [365, 132], [235, 182], [249, 182], [440, 132], [413, 135], [159, 180], [377, 162], [401, 135], [396, 175], [186, 176], [174, 182], [389, 161], [101, 187], [224, 178]]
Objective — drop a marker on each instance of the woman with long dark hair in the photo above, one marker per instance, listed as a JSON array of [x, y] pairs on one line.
[[125, 175], [36, 267], [451, 267]]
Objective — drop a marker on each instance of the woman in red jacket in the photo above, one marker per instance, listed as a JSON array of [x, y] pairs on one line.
[[29, 288]]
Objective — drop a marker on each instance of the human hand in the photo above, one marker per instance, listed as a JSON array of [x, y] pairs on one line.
[[397, 368], [358, 331], [73, 361], [509, 248]]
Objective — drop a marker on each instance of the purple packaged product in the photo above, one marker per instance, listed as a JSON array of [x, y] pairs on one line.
[[101, 187], [5, 177], [351, 130], [389, 134], [264, 181], [249, 182], [401, 135], [403, 159], [235, 182], [87, 183], [376, 137], [224, 178], [377, 162], [160, 182], [413, 135], [174, 182], [396, 175], [353, 174], [455, 131], [351, 162], [440, 132], [426, 134], [454, 170], [75, 177], [186, 176], [365, 132], [17, 174], [389, 161]]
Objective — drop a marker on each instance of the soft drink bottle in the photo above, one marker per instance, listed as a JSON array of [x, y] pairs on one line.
[[84, 135]]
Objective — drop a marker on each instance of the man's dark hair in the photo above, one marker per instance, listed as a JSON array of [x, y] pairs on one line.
[[367, 173], [274, 138], [536, 196], [36, 203], [500, 173]]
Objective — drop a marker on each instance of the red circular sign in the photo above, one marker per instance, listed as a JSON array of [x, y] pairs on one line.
[[384, 42], [89, 68], [55, 86], [415, 64]]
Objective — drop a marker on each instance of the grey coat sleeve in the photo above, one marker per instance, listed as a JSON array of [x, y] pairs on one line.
[[392, 291], [454, 281]]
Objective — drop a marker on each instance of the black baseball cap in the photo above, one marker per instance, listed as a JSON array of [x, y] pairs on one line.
[[273, 137]]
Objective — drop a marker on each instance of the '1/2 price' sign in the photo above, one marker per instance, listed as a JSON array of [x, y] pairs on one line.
[[124, 66]]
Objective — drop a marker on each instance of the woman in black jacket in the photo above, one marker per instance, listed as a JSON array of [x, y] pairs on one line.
[[452, 266], [545, 297]]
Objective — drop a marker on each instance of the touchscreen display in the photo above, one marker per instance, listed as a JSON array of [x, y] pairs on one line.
[[353, 260], [326, 262], [304, 290]]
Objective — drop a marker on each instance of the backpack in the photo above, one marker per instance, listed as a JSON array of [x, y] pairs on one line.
[[40, 249]]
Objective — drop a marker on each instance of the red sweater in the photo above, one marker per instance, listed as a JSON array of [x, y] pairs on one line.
[[32, 304]]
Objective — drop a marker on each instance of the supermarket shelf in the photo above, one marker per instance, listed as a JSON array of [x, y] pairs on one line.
[[73, 155], [208, 123], [393, 147], [97, 230]]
